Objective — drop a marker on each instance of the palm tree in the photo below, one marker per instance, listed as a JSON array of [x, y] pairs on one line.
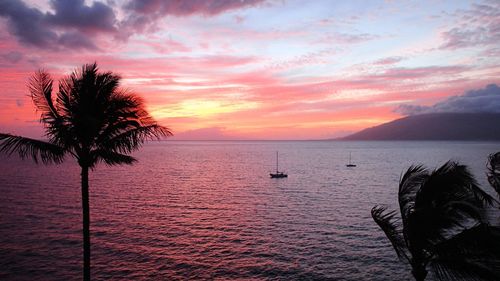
[[443, 225], [92, 120], [494, 171]]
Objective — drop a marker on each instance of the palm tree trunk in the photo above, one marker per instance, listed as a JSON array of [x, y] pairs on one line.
[[419, 272], [86, 223]]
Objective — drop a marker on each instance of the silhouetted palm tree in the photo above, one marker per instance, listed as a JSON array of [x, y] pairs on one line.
[[91, 120], [494, 171], [442, 225]]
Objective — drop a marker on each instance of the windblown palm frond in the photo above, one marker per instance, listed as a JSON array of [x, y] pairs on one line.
[[428, 227], [449, 201], [409, 184], [451, 193], [494, 171], [473, 254], [451, 182], [443, 214], [392, 229], [36, 149]]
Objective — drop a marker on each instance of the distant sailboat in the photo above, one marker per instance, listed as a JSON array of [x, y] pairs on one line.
[[278, 174], [350, 164]]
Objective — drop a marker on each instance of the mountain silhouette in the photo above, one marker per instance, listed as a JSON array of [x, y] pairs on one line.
[[436, 126]]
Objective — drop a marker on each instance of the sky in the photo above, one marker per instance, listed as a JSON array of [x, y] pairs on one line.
[[256, 69]]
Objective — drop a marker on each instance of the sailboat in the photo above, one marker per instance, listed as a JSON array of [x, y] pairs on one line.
[[278, 174], [350, 164]]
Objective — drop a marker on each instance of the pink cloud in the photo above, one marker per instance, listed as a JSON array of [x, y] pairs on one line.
[[478, 26], [388, 61], [418, 72], [236, 34], [168, 46], [311, 58], [347, 38]]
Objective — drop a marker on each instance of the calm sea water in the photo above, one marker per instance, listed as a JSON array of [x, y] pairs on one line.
[[208, 210]]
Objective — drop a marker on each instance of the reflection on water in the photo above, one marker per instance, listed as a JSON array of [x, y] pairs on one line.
[[208, 210]]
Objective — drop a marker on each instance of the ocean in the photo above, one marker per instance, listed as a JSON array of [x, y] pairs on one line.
[[208, 210]]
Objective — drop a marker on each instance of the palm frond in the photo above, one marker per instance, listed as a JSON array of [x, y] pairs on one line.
[[429, 226], [40, 87], [122, 112], [35, 149], [448, 201], [130, 140], [443, 215], [122, 106], [116, 127], [110, 158], [409, 185], [473, 254], [62, 133], [51, 114], [494, 171], [465, 210], [107, 84], [387, 222], [64, 99], [452, 182]]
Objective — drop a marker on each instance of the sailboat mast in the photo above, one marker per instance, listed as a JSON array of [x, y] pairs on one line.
[[349, 158], [276, 161]]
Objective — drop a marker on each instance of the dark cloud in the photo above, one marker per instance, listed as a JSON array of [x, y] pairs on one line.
[[76, 40], [71, 25], [75, 14], [144, 13], [188, 7], [74, 24], [476, 101], [27, 24]]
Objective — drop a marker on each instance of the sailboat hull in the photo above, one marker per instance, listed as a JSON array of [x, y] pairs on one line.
[[278, 175]]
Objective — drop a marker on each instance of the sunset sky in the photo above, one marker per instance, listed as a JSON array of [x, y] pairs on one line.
[[254, 69]]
